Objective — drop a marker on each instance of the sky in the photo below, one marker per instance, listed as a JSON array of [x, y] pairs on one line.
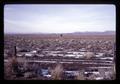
[[59, 18]]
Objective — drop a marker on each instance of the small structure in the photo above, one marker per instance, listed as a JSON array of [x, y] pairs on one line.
[[61, 35]]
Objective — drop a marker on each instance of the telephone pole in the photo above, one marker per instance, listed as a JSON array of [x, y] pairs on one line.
[[15, 51]]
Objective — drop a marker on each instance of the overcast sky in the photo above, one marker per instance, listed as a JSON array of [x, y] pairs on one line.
[[58, 18]]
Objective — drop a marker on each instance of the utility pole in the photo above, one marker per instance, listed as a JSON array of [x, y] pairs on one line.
[[15, 52]]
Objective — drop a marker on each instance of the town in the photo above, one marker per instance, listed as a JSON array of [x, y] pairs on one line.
[[59, 57]]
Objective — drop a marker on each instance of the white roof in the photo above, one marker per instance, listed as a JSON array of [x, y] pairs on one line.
[[99, 78], [70, 55], [47, 75], [34, 51], [29, 54]]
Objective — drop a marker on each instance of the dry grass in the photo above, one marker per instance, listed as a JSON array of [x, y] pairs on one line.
[[8, 69], [57, 72], [80, 76]]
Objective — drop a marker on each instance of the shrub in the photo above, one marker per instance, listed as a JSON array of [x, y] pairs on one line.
[[80, 76], [8, 68], [57, 72]]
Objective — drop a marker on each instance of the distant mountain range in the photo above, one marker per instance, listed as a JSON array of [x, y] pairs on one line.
[[77, 33], [96, 33]]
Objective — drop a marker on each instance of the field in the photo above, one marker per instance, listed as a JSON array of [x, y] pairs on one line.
[[59, 57]]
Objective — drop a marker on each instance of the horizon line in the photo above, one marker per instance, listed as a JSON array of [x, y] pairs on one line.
[[59, 33]]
